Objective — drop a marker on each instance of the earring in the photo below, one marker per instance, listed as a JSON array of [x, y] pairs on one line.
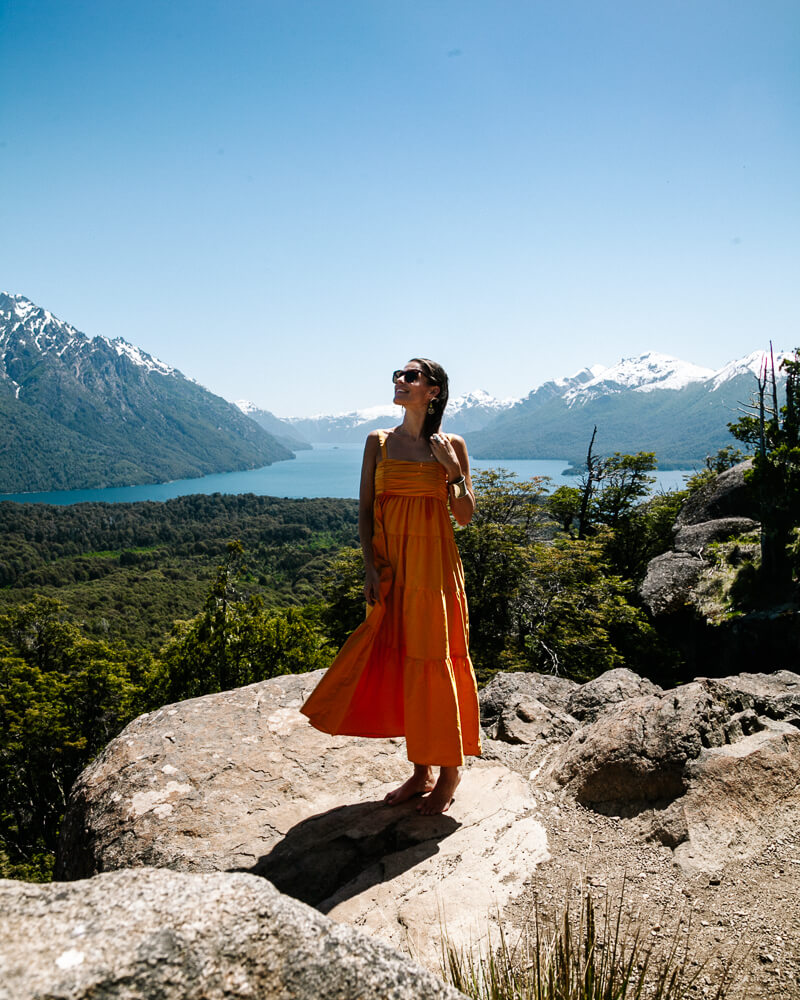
[[431, 410]]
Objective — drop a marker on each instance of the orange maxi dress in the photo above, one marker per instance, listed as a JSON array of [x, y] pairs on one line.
[[406, 670]]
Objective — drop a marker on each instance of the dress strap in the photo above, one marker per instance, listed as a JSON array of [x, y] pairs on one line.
[[382, 443]]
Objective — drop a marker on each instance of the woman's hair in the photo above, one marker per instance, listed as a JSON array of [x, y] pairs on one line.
[[436, 375]]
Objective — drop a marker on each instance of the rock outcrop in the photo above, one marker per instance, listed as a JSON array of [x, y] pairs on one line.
[[708, 773], [669, 582], [241, 781], [527, 708], [712, 767], [688, 590], [590, 700], [723, 509], [728, 495], [150, 933], [694, 538]]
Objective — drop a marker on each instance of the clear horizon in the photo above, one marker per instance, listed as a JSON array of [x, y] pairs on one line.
[[286, 201]]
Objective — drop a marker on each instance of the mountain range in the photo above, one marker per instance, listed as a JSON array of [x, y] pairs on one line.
[[653, 402], [80, 412]]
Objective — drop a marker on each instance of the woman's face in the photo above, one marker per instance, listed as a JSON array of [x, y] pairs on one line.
[[417, 393]]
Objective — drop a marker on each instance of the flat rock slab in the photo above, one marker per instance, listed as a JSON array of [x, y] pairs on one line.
[[146, 933], [241, 781], [461, 886], [213, 783]]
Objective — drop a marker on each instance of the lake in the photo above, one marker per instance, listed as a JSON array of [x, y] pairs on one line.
[[328, 470]]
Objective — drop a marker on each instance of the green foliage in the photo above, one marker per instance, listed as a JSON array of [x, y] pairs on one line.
[[553, 606], [643, 533], [62, 697], [127, 571], [724, 459], [774, 432], [564, 506], [577, 957], [575, 617], [343, 606], [494, 552], [237, 641], [624, 481]]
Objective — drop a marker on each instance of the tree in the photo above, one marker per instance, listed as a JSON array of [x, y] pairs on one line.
[[575, 617], [508, 515], [564, 506], [343, 606], [63, 696], [774, 431], [555, 606], [237, 640]]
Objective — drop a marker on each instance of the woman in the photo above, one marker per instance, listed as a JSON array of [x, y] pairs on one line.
[[406, 671]]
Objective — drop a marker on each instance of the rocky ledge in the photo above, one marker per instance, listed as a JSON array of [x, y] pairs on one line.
[[150, 933], [704, 779]]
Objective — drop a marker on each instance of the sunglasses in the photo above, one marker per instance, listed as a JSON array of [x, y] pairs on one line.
[[410, 376]]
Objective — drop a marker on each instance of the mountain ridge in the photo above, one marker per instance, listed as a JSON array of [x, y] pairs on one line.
[[652, 401], [80, 412]]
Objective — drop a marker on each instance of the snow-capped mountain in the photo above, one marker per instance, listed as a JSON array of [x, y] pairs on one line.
[[751, 366], [28, 332], [654, 402], [84, 412], [647, 373], [464, 414], [279, 429]]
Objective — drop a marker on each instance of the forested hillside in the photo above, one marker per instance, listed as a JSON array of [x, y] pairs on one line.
[[78, 413], [129, 570]]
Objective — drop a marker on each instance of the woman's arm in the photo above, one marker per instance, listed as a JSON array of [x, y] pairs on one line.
[[366, 497], [451, 451]]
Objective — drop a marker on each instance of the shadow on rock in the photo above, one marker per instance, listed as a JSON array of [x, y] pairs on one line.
[[351, 848]]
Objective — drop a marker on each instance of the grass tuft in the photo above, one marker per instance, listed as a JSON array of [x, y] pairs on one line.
[[578, 957]]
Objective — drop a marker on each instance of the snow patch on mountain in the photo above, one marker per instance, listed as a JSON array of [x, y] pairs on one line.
[[26, 322], [247, 407], [478, 398], [583, 376], [750, 364], [645, 373], [140, 358]]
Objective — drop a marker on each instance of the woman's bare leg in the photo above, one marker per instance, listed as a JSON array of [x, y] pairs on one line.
[[442, 795], [420, 782]]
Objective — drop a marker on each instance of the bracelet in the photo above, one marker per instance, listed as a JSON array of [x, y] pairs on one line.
[[459, 487]]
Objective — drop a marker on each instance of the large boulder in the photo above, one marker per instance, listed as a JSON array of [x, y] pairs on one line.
[[694, 538], [240, 781], [775, 695], [727, 495], [742, 797], [527, 708], [711, 768], [637, 752], [146, 933], [587, 702], [668, 583]]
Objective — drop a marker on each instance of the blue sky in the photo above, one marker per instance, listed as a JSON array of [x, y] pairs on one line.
[[288, 199]]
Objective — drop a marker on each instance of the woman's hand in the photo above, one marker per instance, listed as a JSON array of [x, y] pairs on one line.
[[445, 454], [372, 585], [451, 453]]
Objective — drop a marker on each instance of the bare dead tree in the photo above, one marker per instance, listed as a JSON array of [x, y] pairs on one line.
[[588, 486]]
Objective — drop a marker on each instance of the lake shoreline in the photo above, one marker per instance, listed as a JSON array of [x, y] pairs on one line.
[[327, 470]]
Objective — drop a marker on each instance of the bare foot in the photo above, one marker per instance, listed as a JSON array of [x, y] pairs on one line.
[[441, 797], [420, 782]]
